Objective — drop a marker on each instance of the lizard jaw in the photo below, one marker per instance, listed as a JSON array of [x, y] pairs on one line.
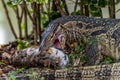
[[57, 43], [59, 40]]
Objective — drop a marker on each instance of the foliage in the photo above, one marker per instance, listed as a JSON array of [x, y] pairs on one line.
[[2, 63], [22, 44], [76, 53], [108, 60], [15, 72]]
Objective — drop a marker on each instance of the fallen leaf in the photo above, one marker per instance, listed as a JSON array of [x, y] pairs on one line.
[[1, 73], [0, 47]]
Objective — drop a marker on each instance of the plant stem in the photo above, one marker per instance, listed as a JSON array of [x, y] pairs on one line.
[[34, 22], [38, 16], [18, 20], [57, 3], [86, 10], [112, 9], [25, 21], [9, 20], [75, 7], [81, 7], [65, 6]]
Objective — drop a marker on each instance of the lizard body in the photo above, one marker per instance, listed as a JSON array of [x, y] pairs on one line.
[[74, 27], [108, 32]]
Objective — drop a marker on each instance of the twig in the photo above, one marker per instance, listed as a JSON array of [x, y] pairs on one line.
[[81, 7], [86, 10], [75, 8], [54, 8], [59, 8], [65, 6], [25, 20], [26, 8], [38, 16], [33, 5], [18, 20], [8, 18]]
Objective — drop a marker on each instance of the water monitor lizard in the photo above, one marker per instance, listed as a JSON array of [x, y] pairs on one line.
[[73, 28]]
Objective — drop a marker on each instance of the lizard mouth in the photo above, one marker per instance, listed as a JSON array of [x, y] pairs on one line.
[[57, 43]]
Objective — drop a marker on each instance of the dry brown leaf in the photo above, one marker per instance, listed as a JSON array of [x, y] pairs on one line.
[[6, 55], [1, 73], [0, 47]]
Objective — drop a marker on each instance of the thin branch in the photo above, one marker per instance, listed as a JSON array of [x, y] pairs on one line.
[[26, 8], [49, 10], [38, 16], [25, 20], [75, 8], [16, 10], [54, 8], [81, 7], [57, 3], [34, 22], [8, 18], [86, 10], [65, 6]]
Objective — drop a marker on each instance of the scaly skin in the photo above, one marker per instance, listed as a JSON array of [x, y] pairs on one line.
[[108, 33], [104, 33], [75, 27], [97, 72]]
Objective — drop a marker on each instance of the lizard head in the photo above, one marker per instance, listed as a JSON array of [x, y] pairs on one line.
[[53, 36]]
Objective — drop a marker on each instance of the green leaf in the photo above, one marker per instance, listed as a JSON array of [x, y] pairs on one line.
[[29, 0], [102, 3], [42, 1], [71, 56], [108, 60], [83, 59], [94, 1], [14, 2], [1, 63], [42, 78], [22, 26], [77, 48], [118, 10], [76, 13], [91, 43], [22, 44], [96, 13], [12, 77], [93, 7], [9, 3], [86, 1], [117, 2]]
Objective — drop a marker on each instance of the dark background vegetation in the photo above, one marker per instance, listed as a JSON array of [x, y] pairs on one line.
[[41, 12]]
